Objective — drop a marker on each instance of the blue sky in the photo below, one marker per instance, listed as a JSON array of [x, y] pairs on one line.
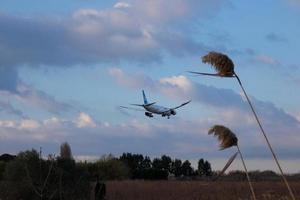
[[67, 65]]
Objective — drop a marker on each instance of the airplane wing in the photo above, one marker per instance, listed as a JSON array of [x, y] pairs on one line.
[[129, 108], [182, 104]]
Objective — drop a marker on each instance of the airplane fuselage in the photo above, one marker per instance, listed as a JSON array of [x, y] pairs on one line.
[[157, 109], [160, 110]]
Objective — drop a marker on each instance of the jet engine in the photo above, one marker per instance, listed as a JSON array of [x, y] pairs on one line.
[[148, 114], [173, 112]]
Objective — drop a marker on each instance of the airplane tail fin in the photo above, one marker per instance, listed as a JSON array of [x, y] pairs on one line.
[[145, 98]]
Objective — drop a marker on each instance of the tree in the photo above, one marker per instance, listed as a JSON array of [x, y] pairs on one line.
[[204, 168], [201, 170], [176, 167], [166, 163], [186, 168], [207, 169], [65, 151], [157, 164], [135, 163], [110, 168]]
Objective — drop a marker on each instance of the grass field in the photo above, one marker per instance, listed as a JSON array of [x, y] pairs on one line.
[[196, 190]]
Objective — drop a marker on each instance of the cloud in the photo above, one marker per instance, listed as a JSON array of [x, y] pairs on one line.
[[268, 60], [121, 5], [182, 138], [231, 107], [8, 108], [140, 33], [273, 37], [131, 31], [32, 98], [84, 120], [29, 124]]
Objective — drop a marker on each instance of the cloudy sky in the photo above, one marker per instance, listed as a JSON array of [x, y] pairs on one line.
[[66, 66]]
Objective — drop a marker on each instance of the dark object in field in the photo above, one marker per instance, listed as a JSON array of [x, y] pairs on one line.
[[100, 190]]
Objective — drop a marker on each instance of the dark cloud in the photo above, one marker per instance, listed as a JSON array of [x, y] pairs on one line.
[[88, 36]]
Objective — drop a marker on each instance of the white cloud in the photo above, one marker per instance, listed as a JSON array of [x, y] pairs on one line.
[[7, 124], [84, 120], [121, 5], [181, 82], [29, 124]]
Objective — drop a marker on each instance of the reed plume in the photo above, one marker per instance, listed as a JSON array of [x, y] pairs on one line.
[[225, 136], [221, 62], [225, 68], [228, 139]]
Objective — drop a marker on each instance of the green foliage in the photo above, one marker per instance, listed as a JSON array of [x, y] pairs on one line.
[[110, 168]]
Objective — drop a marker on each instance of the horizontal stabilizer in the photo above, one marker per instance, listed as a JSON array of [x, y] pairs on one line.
[[142, 105]]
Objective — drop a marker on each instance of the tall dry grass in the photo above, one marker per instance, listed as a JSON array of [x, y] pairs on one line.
[[228, 139], [224, 67], [195, 190]]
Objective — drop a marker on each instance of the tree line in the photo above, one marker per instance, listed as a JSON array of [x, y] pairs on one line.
[[29, 175]]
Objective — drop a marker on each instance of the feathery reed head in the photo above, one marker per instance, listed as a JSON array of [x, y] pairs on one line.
[[225, 136], [221, 62]]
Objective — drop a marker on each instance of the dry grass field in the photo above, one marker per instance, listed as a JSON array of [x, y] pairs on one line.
[[197, 190]]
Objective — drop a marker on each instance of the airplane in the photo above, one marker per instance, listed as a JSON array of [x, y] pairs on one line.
[[152, 108]]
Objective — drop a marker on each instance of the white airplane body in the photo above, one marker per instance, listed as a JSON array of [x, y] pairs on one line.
[[151, 108]]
